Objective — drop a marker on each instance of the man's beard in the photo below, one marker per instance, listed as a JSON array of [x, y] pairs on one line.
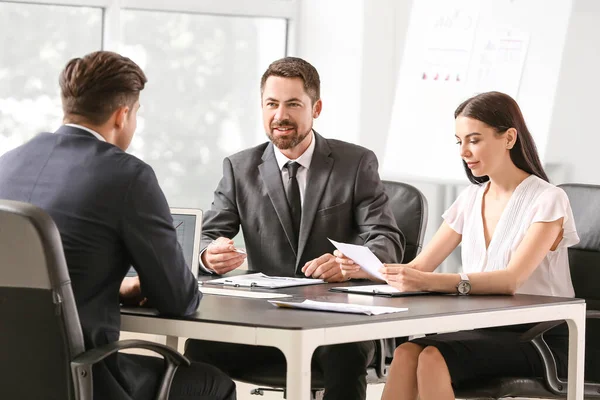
[[289, 142]]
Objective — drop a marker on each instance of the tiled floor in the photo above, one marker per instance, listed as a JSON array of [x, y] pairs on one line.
[[243, 393]]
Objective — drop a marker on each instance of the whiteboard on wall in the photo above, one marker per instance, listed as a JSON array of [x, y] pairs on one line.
[[457, 48]]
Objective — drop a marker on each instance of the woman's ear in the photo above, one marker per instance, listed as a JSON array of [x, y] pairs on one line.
[[511, 137]]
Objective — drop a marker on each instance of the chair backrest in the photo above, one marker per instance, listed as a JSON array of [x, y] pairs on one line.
[[409, 206], [39, 326], [584, 257]]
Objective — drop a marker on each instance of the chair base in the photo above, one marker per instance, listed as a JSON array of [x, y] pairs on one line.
[[260, 391], [513, 387], [272, 379]]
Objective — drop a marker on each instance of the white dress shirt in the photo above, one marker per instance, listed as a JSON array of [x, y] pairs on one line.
[[304, 160], [96, 134], [534, 200]]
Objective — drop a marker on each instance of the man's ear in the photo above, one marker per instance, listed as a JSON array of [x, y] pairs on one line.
[[317, 108], [121, 116]]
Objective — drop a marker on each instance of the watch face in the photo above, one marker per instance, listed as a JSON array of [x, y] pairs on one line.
[[464, 287]]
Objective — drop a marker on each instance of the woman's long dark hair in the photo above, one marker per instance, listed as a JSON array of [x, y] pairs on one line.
[[501, 112]]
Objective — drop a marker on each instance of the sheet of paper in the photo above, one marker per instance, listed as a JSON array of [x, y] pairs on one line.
[[361, 255], [338, 307], [262, 280], [241, 293]]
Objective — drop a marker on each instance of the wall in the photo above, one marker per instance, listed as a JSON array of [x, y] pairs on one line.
[[357, 52], [358, 47], [491, 45], [329, 36], [574, 137]]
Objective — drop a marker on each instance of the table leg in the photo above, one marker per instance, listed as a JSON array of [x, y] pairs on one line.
[[172, 342], [576, 355], [298, 374], [298, 348]]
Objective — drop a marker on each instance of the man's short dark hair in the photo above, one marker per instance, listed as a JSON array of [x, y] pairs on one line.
[[293, 67], [94, 86]]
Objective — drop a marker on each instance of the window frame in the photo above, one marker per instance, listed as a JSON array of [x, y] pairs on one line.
[[112, 35], [111, 20]]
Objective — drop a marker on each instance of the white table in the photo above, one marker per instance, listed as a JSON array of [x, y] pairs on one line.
[[298, 333]]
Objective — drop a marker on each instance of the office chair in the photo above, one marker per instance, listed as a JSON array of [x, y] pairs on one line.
[[584, 260], [42, 352], [409, 207]]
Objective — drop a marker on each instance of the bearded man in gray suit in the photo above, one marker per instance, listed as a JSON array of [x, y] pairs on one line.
[[289, 195]]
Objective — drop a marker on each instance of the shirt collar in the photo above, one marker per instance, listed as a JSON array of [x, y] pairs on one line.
[[96, 134], [304, 160]]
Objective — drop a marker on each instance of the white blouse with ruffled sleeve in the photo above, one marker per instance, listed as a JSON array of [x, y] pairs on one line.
[[534, 200]]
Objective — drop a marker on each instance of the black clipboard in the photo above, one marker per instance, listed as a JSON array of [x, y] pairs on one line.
[[374, 292]]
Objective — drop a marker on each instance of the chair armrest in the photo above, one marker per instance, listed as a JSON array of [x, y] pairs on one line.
[[81, 366], [553, 382], [98, 354], [535, 336], [542, 327], [592, 314], [538, 330]]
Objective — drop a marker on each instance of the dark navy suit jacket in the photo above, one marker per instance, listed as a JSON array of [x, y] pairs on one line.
[[111, 213]]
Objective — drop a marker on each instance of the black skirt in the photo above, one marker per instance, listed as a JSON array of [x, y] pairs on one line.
[[483, 354]]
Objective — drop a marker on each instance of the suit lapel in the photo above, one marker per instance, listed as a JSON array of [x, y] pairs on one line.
[[316, 181], [271, 176]]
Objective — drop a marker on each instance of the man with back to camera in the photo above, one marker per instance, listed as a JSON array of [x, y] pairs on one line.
[[289, 195], [111, 213]]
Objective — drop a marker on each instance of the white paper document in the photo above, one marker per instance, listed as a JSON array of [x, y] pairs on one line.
[[361, 255], [262, 280], [338, 307], [242, 293]]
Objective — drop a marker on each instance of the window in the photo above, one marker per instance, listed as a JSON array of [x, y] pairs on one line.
[[36, 42], [202, 100], [203, 60]]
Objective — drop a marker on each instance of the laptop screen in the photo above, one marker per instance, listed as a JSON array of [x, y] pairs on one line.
[[188, 225], [185, 225]]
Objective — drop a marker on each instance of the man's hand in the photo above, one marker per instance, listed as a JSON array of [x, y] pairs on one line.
[[404, 278], [324, 267], [130, 292], [350, 269], [220, 256]]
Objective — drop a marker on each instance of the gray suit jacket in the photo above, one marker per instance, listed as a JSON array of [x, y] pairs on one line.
[[344, 200]]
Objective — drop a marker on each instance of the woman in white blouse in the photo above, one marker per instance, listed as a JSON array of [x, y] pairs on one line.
[[514, 228]]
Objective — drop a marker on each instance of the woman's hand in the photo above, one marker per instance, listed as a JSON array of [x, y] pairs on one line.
[[405, 278], [350, 269]]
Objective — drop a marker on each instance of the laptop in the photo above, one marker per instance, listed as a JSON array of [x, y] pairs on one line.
[[188, 224]]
